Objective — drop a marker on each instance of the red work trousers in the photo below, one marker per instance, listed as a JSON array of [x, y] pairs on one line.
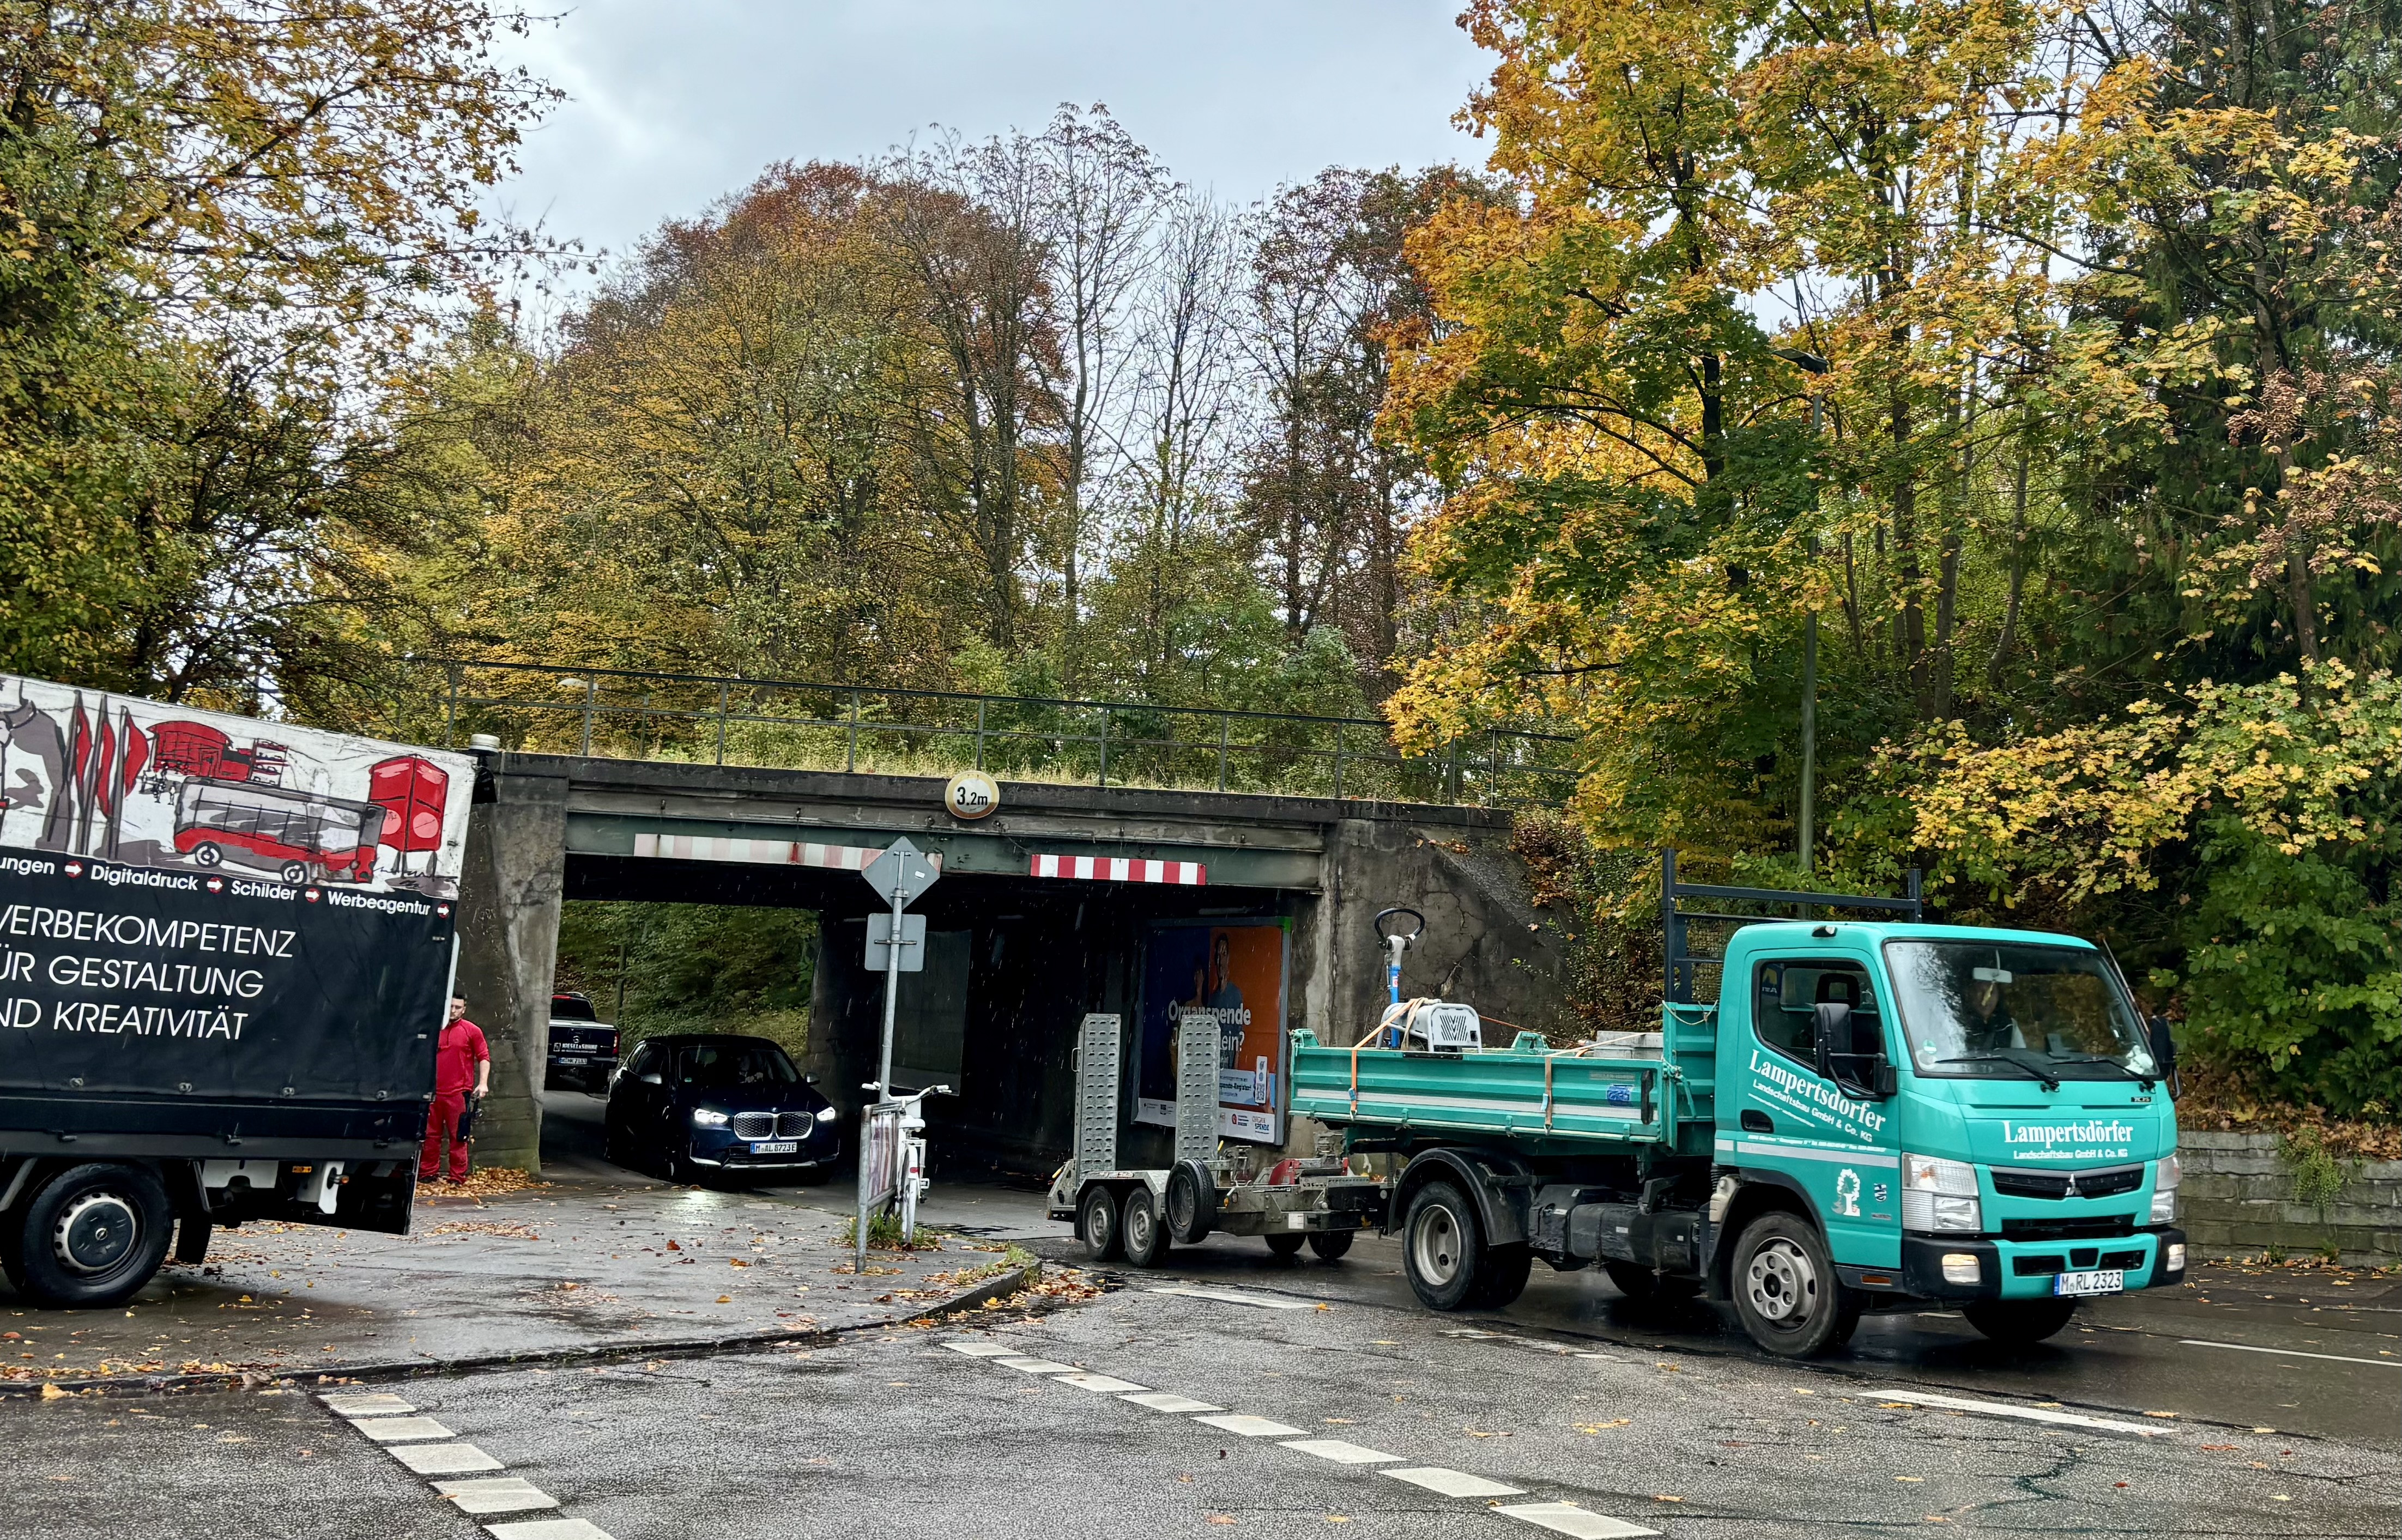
[[440, 1125]]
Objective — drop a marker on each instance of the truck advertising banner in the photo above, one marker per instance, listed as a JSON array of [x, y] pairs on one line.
[[1235, 970], [194, 902]]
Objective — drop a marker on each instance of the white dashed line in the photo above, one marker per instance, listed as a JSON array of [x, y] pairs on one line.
[[547, 1528], [1036, 1366], [1250, 1428], [1229, 1297], [1453, 1483], [1999, 1409], [496, 1495], [401, 1430], [1568, 1519], [983, 1350], [1098, 1381], [443, 1459], [367, 1406], [1160, 1400], [2291, 1353], [1342, 1453]]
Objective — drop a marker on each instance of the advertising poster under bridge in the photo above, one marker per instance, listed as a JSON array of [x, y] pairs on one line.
[[1234, 970]]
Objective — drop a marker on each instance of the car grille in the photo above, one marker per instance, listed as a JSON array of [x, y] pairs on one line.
[[772, 1125], [2063, 1184]]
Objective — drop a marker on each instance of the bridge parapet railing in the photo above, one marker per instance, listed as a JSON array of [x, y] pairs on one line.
[[802, 724]]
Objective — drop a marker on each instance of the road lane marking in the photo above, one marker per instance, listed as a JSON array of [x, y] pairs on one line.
[[1250, 1428], [366, 1406], [548, 1528], [1160, 1400], [983, 1350], [1098, 1381], [1230, 1296], [1035, 1366], [1342, 1453], [443, 1459], [1453, 1483], [496, 1495], [2001, 1408], [1568, 1519], [2291, 1353], [401, 1430]]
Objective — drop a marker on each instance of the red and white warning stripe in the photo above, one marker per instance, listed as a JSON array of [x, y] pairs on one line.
[[708, 847], [1120, 869]]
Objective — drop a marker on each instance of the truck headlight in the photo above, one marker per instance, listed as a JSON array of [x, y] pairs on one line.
[[827, 1114], [2165, 1177], [1940, 1195], [704, 1117]]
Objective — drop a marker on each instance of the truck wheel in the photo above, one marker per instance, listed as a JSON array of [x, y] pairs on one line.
[[94, 1235], [2019, 1323], [1192, 1202], [1097, 1222], [1786, 1290], [1146, 1238], [1330, 1245], [1443, 1247], [1501, 1275], [1284, 1244]]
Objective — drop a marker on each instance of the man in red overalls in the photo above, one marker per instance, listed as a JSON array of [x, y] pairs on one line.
[[463, 1065]]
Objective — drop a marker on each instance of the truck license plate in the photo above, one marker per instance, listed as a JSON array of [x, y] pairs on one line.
[[2109, 1280], [786, 1146]]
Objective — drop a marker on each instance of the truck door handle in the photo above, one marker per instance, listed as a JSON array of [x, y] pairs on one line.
[[1757, 1122]]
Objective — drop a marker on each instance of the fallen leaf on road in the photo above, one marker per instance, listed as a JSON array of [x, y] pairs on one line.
[[1910, 1477], [52, 1392], [2160, 1414], [1221, 1518], [1613, 1423], [725, 1299], [2219, 1446], [1663, 1497], [736, 1262], [1337, 1519]]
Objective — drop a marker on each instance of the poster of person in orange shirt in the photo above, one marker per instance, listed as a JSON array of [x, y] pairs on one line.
[[1235, 972]]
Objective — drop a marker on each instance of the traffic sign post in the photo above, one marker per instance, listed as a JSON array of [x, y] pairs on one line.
[[899, 875]]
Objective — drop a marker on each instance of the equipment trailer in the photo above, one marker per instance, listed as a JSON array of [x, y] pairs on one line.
[[1871, 1116], [1137, 1212]]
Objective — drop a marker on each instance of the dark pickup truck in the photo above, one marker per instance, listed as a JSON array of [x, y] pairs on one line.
[[583, 1049]]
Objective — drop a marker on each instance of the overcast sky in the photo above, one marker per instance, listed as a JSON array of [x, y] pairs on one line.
[[673, 104]]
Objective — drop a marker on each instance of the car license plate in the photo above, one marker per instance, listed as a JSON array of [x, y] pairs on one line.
[[2109, 1280], [572, 1048], [786, 1146]]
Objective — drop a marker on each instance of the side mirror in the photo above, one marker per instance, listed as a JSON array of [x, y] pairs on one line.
[[808, 1079], [1830, 1023], [2164, 1054], [653, 1078]]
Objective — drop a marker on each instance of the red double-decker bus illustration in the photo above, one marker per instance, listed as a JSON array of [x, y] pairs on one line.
[[288, 831]]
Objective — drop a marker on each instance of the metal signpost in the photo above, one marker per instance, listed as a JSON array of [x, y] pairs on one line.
[[898, 875]]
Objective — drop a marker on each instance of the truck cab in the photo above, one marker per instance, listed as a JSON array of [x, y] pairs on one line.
[[1976, 1117]]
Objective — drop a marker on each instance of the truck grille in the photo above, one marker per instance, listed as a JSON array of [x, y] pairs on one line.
[[2100, 1227], [2106, 1183]]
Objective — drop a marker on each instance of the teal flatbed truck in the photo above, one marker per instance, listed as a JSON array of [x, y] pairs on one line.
[[1873, 1115]]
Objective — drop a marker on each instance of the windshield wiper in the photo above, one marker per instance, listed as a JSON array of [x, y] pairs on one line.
[[2103, 1058], [2026, 1060]]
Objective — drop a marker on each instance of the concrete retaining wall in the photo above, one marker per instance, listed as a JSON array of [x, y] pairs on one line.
[[2238, 1199]]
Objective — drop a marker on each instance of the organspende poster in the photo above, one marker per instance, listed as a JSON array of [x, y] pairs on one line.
[[1235, 971]]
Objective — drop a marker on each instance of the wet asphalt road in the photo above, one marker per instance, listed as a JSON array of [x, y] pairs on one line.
[[897, 1434]]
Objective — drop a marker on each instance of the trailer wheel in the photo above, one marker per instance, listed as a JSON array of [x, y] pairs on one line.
[[1443, 1247], [94, 1236], [1284, 1244], [1096, 1224], [1146, 1238], [1786, 1290], [2019, 1322], [1192, 1202], [1330, 1245]]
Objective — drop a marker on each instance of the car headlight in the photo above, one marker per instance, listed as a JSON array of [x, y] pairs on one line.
[[827, 1114], [703, 1117], [1940, 1195], [2165, 1177]]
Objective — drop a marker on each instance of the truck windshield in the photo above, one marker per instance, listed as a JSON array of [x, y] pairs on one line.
[[2015, 1012]]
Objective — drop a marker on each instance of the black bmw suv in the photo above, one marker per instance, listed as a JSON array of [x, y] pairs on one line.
[[705, 1106]]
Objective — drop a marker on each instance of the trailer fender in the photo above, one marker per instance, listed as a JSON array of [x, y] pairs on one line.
[[1502, 1217], [1755, 1192]]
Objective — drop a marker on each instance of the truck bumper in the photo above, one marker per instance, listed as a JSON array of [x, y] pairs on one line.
[[2025, 1269]]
